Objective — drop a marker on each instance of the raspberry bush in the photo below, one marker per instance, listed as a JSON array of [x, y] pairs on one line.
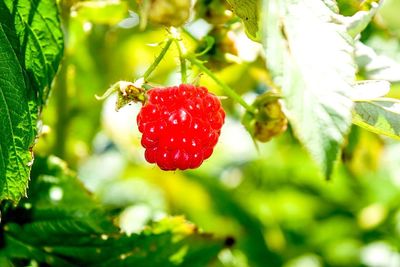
[[273, 95]]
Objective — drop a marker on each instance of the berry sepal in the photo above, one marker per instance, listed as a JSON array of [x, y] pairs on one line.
[[128, 92]]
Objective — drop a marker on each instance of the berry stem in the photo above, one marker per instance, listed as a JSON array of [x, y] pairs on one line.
[[114, 88], [158, 59], [181, 51], [228, 90]]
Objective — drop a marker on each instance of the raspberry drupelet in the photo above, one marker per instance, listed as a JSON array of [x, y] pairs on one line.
[[180, 126]]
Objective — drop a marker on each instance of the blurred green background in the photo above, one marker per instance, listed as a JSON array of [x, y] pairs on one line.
[[273, 200]]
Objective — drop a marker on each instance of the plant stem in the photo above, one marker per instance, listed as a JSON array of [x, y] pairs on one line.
[[181, 51], [228, 90], [158, 59], [62, 110], [63, 106]]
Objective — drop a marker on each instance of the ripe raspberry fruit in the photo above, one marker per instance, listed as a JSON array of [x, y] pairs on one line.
[[180, 126]]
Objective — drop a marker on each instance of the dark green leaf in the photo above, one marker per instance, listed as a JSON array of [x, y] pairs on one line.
[[16, 124], [70, 228], [34, 26], [30, 50], [178, 244]]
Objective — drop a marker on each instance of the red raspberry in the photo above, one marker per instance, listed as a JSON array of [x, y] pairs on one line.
[[180, 126]]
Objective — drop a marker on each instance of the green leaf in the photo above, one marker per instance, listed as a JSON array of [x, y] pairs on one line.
[[31, 46], [36, 25], [369, 90], [72, 229], [359, 21], [54, 185], [311, 57], [381, 116], [152, 247], [16, 128], [375, 66], [247, 11]]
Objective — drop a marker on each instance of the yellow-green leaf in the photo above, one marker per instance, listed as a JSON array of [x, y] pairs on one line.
[[381, 116], [247, 11]]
